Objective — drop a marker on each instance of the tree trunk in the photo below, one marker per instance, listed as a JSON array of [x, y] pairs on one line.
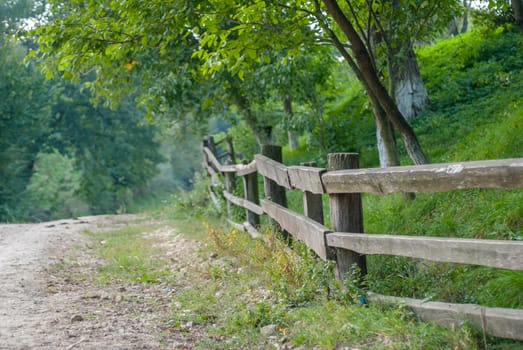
[[373, 83], [262, 133], [289, 114], [453, 27], [517, 8], [406, 84], [465, 23], [387, 146], [386, 139]]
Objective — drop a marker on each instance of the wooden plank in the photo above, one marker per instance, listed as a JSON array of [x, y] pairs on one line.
[[212, 159], [216, 163], [237, 226], [228, 168], [246, 227], [252, 230], [246, 169], [346, 215], [250, 189], [306, 178], [243, 203], [214, 175], [499, 322], [273, 170], [306, 230], [502, 174], [494, 253]]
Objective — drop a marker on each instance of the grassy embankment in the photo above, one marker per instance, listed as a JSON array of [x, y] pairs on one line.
[[476, 83]]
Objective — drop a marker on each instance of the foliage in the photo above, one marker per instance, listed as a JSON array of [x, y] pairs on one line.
[[114, 151], [262, 285], [53, 188], [475, 113], [474, 80], [493, 13], [24, 120]]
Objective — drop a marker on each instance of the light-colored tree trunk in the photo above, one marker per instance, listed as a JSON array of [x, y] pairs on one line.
[[386, 140], [465, 23], [289, 114], [262, 133], [373, 85], [406, 84]]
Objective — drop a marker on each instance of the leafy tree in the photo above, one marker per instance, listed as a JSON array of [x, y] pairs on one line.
[[148, 41], [503, 6], [259, 26], [24, 125], [114, 151], [52, 190]]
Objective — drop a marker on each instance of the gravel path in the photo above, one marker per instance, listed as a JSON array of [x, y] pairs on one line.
[[45, 303]]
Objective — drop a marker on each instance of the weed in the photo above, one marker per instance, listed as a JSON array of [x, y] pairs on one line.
[[129, 256]]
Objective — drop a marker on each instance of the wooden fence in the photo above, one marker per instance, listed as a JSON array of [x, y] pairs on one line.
[[345, 242]]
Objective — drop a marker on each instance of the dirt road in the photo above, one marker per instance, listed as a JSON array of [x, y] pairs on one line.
[[43, 307]]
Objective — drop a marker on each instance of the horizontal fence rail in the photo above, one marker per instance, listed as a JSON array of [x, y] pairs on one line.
[[501, 174], [344, 186], [499, 322], [306, 230], [493, 253]]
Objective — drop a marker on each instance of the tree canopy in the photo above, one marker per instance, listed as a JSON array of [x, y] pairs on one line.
[[180, 45]]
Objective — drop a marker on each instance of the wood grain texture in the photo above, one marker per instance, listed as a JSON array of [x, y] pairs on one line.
[[246, 169], [501, 174], [253, 232], [499, 322], [493, 253], [236, 225], [243, 203], [273, 170], [306, 178], [250, 189], [246, 227], [346, 214], [213, 161], [301, 227], [213, 174]]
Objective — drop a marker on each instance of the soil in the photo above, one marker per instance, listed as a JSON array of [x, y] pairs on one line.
[[48, 299]]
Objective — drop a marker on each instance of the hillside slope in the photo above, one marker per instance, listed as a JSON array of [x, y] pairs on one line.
[[475, 82]]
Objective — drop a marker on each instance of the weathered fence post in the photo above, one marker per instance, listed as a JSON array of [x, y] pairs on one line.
[[312, 202], [210, 144], [205, 143], [273, 191], [346, 214], [250, 188], [232, 155], [230, 185]]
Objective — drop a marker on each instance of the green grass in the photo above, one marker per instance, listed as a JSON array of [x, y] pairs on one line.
[[129, 256], [256, 285], [475, 84]]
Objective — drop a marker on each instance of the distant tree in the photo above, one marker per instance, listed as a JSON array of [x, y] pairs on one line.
[[114, 150], [24, 126], [147, 41]]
